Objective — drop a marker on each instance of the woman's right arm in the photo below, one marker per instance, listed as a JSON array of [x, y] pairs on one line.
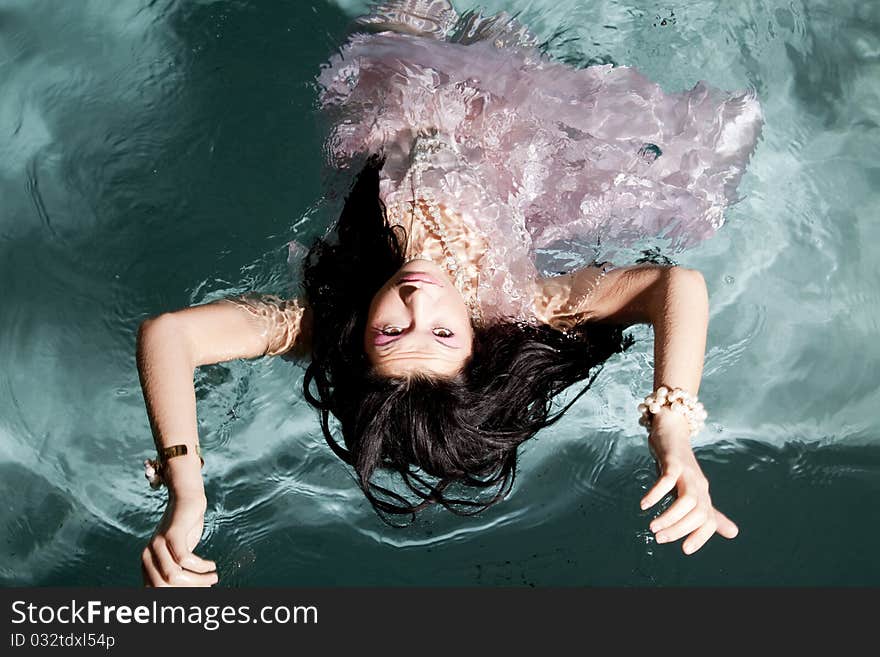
[[169, 348]]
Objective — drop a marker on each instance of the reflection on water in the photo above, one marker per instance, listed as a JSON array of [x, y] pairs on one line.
[[159, 154]]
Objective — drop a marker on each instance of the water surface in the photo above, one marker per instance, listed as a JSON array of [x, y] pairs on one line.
[[159, 154]]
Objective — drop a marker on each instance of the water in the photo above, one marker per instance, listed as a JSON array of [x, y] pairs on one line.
[[159, 154]]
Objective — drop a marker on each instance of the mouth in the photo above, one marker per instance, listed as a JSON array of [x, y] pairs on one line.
[[418, 277]]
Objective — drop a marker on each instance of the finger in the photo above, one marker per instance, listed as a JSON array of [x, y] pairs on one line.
[[698, 539], [165, 563], [145, 575], [187, 578], [151, 569], [685, 526], [173, 573], [726, 527], [187, 559], [664, 484], [679, 509], [196, 564]]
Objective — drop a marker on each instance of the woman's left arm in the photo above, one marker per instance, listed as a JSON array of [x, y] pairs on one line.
[[675, 301]]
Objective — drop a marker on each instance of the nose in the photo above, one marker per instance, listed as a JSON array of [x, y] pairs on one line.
[[416, 298]]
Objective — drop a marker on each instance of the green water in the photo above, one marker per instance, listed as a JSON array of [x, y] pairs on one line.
[[159, 154]]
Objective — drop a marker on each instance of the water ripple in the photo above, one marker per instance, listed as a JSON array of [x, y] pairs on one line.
[[127, 191]]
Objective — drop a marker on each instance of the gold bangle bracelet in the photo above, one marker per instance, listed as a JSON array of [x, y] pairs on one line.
[[178, 450], [153, 467]]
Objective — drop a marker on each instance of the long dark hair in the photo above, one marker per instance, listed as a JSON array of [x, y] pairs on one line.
[[435, 433]]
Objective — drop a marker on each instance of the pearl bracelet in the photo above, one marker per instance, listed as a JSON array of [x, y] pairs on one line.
[[680, 401]]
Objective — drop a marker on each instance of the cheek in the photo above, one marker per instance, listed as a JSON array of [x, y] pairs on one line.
[[454, 307], [370, 351], [378, 306], [373, 314]]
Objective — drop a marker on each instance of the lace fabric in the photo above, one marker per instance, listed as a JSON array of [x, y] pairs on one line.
[[280, 320]]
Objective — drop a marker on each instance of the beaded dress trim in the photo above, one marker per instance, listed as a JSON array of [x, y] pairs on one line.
[[423, 208]]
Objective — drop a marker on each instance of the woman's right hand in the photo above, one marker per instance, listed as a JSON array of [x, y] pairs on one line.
[[168, 559]]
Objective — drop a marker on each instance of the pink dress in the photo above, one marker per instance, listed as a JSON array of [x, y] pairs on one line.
[[507, 152], [528, 151]]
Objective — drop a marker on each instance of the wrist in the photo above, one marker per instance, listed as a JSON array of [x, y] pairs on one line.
[[670, 433], [667, 419], [183, 476], [188, 497]]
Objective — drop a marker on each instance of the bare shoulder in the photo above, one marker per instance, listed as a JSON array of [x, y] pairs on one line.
[[285, 323], [620, 295], [248, 325]]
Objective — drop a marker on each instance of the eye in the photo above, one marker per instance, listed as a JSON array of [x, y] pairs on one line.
[[443, 333], [390, 330]]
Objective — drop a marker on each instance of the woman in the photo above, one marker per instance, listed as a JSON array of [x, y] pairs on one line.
[[432, 337]]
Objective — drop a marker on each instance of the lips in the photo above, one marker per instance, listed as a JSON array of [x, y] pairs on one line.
[[417, 276]]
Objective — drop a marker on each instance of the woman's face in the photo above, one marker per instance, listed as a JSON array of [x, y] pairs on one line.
[[418, 322]]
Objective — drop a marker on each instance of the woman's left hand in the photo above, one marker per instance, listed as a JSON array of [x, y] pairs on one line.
[[692, 514]]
